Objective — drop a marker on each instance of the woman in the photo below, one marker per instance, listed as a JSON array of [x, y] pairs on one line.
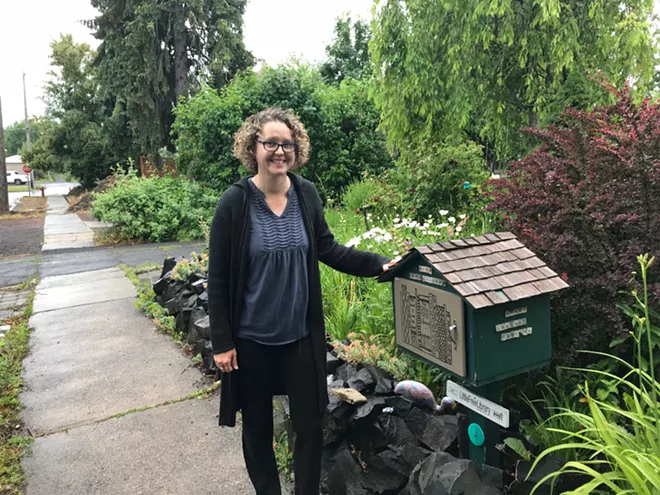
[[267, 328]]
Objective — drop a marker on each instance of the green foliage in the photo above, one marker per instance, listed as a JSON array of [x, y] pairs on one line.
[[76, 135], [486, 69], [283, 456], [340, 120], [154, 52], [621, 440], [434, 178], [348, 54], [155, 209], [14, 347], [186, 267], [15, 136]]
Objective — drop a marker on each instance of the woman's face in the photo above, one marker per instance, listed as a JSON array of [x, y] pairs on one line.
[[274, 162]]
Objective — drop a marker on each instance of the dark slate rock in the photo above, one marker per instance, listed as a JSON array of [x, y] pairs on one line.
[[463, 437], [369, 411], [341, 474], [413, 454], [160, 285], [332, 363], [362, 381], [549, 464], [369, 439], [442, 474], [336, 420], [194, 338], [183, 320], [346, 371], [437, 433], [493, 476], [198, 286], [401, 405], [384, 381], [194, 277], [203, 327], [396, 431], [173, 293], [203, 300], [190, 303], [208, 364], [380, 477], [168, 266]]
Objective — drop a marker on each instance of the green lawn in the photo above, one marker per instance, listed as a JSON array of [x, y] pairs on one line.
[[18, 188]]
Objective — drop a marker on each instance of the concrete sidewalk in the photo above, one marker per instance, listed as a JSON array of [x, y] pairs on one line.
[[64, 230], [106, 397]]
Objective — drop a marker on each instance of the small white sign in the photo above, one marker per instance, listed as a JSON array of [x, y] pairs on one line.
[[511, 324], [425, 269], [488, 409], [515, 312], [516, 334]]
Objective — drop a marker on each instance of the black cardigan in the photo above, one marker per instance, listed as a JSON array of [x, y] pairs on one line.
[[228, 258]]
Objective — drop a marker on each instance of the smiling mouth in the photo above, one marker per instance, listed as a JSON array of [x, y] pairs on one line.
[[279, 162]]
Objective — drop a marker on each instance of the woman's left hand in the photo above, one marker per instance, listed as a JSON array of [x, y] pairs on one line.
[[389, 265]]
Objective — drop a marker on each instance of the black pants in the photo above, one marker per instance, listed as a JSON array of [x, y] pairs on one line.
[[263, 370]]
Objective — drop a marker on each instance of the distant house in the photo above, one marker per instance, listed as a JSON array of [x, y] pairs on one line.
[[14, 163]]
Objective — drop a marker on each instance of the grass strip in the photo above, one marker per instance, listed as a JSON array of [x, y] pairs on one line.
[[14, 346]]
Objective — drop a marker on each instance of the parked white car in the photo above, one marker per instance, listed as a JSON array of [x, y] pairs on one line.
[[17, 178]]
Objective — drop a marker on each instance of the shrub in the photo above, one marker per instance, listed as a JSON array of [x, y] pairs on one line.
[[586, 202], [155, 209], [428, 179], [341, 121]]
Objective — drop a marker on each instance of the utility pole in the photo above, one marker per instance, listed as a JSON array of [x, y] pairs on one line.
[[27, 121], [27, 133], [4, 192]]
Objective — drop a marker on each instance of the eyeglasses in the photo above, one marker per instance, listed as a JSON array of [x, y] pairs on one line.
[[287, 146]]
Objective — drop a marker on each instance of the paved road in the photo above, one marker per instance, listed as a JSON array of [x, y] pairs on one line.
[[15, 270]]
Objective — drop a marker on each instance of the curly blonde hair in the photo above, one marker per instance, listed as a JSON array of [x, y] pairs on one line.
[[246, 137]]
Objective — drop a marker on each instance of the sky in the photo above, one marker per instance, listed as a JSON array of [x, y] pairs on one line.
[[273, 31]]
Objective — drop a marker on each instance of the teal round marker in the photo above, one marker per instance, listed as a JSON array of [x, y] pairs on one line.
[[476, 435]]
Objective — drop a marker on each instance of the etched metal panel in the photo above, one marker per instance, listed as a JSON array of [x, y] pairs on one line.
[[429, 322]]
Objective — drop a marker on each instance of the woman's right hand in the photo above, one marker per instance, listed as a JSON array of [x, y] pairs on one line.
[[226, 361]]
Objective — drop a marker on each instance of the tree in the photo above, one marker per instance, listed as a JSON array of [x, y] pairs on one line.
[[348, 54], [489, 68], [15, 134], [155, 51], [78, 125]]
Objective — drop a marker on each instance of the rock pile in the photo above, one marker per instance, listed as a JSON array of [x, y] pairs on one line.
[[188, 302], [388, 445]]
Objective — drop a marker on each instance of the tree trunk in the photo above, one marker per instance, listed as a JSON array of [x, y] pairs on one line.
[[181, 64], [4, 192]]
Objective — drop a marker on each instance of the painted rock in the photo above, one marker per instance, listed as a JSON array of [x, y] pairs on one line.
[[417, 393]]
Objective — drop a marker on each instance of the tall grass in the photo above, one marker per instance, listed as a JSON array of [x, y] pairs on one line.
[[621, 441]]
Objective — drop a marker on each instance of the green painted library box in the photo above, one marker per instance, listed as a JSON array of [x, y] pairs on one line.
[[478, 307]]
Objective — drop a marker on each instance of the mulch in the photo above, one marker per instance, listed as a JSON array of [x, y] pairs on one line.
[[21, 235], [22, 231], [81, 200]]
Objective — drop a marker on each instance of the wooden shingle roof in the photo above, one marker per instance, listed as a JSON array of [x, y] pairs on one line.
[[492, 269]]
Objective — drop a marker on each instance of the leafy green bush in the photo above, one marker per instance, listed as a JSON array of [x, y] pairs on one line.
[[341, 121], [447, 177], [155, 209]]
